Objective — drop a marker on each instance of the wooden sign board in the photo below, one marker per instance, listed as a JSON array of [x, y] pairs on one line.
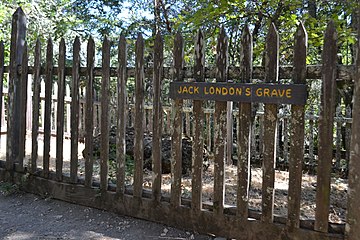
[[240, 92]]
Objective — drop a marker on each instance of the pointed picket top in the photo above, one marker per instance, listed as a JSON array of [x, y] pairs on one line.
[[62, 44], [91, 41], [158, 37], [199, 67], [122, 49], [222, 56], [49, 42], [122, 41], [246, 55], [330, 43], [178, 56], [77, 41], [37, 44], [139, 40], [19, 11], [300, 51], [272, 55]]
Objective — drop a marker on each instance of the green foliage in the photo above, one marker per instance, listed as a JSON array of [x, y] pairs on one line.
[[7, 188]]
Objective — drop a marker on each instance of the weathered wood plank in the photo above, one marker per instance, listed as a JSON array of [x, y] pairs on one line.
[[89, 112], [297, 132], [60, 110], [177, 125], [122, 113], [139, 116], [74, 125], [353, 217], [157, 117], [47, 111], [104, 125], [23, 106], [35, 107], [270, 126], [198, 124], [18, 32], [2, 71], [326, 120], [220, 126], [244, 129]]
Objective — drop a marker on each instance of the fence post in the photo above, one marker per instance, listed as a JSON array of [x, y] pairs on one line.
[[352, 229], [18, 33]]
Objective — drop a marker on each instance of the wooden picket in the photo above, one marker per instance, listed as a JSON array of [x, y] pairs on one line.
[[36, 107], [270, 124], [157, 118], [104, 126], [198, 116], [352, 229], [177, 127], [297, 132], [74, 127], [326, 129], [244, 129], [220, 126], [139, 116], [122, 113], [89, 113], [47, 108], [60, 111]]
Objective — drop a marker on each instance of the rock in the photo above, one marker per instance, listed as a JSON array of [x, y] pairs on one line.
[[147, 144]]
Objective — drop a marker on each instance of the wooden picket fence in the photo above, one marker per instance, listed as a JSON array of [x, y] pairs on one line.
[[238, 221]]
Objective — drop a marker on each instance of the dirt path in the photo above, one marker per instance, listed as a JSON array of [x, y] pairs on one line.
[[26, 216]]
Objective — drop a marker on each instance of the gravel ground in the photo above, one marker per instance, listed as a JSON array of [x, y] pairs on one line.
[[26, 216]]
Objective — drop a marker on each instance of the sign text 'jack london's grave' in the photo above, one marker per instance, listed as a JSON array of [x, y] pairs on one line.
[[240, 92]]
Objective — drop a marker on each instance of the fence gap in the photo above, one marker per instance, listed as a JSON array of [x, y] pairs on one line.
[[270, 126], [60, 111], [104, 125], [198, 124], [47, 109], [74, 126], [157, 117], [139, 117], [89, 113], [122, 107], [244, 122], [297, 132], [220, 125], [326, 122]]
